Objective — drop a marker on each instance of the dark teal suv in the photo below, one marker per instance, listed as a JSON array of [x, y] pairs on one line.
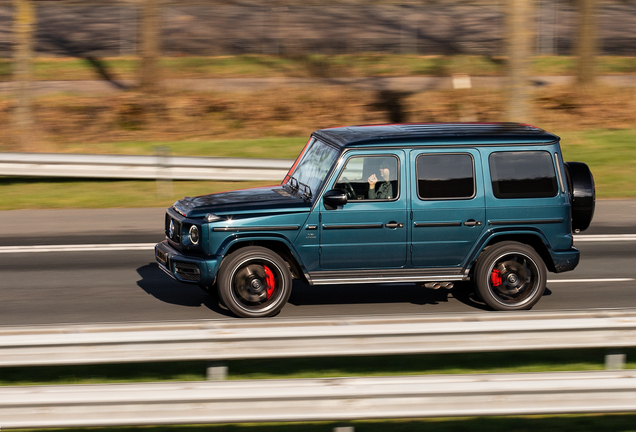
[[425, 203]]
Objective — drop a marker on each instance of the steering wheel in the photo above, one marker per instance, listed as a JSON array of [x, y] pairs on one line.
[[351, 194]]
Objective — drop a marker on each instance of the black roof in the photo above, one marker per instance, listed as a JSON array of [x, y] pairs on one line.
[[436, 133]]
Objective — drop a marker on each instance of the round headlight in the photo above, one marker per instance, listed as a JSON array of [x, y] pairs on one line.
[[194, 234]]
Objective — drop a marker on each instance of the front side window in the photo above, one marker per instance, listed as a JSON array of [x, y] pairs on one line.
[[445, 176], [523, 174], [311, 167], [370, 178]]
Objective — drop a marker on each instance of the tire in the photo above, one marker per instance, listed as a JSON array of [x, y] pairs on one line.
[[510, 276], [582, 194], [254, 282]]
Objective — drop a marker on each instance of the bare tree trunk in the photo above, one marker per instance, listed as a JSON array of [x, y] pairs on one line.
[[24, 26], [150, 43], [587, 42], [519, 50]]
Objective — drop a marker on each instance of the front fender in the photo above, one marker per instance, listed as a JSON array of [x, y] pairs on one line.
[[272, 241]]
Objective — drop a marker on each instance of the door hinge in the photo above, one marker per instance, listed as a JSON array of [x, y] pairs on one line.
[[319, 250]]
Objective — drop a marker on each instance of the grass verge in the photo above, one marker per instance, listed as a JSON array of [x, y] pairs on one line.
[[510, 362], [54, 193], [558, 423]]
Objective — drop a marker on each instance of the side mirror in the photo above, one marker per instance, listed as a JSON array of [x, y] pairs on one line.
[[334, 198]]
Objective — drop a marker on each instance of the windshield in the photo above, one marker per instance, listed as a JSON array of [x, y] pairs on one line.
[[311, 167]]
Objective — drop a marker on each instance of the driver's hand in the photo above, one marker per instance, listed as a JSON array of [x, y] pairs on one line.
[[372, 180]]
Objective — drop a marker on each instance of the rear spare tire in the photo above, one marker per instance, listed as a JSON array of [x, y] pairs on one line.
[[582, 194]]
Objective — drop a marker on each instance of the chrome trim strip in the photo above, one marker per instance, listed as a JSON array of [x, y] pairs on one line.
[[436, 224], [558, 166], [525, 222], [166, 271], [360, 226], [257, 228], [388, 279]]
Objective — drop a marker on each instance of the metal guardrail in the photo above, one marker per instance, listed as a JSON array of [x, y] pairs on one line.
[[317, 399], [217, 340], [142, 167]]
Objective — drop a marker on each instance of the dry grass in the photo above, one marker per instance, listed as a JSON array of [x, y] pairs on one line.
[[189, 116]]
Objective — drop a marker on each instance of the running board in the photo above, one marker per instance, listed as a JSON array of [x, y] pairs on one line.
[[384, 276]]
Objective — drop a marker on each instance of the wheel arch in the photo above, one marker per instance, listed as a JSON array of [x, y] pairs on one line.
[[276, 245], [529, 238]]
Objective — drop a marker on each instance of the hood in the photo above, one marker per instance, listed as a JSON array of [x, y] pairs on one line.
[[263, 199]]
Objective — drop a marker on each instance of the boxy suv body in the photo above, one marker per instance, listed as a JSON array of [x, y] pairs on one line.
[[423, 203]]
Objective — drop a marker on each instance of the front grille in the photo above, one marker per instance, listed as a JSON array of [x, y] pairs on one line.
[[176, 232], [187, 271]]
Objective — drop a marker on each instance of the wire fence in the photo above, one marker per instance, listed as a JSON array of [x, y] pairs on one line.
[[291, 27]]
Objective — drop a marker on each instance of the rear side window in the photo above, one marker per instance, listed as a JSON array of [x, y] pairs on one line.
[[524, 174], [445, 176]]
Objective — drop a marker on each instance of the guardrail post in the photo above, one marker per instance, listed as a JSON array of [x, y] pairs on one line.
[[614, 360], [216, 371], [164, 179]]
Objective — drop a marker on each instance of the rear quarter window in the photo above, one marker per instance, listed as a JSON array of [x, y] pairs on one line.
[[523, 174]]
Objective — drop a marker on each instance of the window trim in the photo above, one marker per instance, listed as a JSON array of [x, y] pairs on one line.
[[344, 167], [417, 178]]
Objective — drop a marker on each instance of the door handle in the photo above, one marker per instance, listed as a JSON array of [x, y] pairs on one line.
[[472, 223], [394, 225]]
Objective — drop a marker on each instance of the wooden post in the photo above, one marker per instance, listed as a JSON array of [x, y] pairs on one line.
[[519, 22], [24, 29], [586, 42], [150, 43]]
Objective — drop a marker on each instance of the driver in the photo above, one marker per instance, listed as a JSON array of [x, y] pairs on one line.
[[382, 189]]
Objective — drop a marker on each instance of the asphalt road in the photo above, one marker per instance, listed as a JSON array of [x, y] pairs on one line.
[[126, 286]]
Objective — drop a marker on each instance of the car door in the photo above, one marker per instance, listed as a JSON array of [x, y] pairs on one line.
[[448, 206], [369, 231]]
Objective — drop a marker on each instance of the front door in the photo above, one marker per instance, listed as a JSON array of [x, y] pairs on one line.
[[369, 232]]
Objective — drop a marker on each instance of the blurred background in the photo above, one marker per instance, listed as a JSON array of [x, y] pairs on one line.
[[253, 78]]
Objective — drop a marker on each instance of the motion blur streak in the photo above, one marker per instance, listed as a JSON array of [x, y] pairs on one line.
[[78, 248]]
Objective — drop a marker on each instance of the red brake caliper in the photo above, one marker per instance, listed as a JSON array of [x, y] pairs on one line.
[[495, 277], [271, 284]]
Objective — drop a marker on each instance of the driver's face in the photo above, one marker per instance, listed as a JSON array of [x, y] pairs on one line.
[[385, 173]]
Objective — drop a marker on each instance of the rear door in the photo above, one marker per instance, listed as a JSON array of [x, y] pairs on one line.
[[448, 206]]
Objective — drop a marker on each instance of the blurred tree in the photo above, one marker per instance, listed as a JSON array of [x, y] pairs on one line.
[[24, 25], [519, 35], [150, 43], [587, 41]]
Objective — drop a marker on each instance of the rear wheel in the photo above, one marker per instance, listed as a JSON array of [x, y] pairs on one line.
[[254, 282], [510, 276]]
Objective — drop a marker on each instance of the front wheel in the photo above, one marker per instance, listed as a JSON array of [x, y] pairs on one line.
[[510, 276], [254, 282]]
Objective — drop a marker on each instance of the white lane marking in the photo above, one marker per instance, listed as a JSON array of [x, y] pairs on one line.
[[78, 248], [148, 246], [605, 238], [590, 280]]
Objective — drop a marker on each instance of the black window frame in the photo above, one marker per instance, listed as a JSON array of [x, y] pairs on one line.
[[496, 191]]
